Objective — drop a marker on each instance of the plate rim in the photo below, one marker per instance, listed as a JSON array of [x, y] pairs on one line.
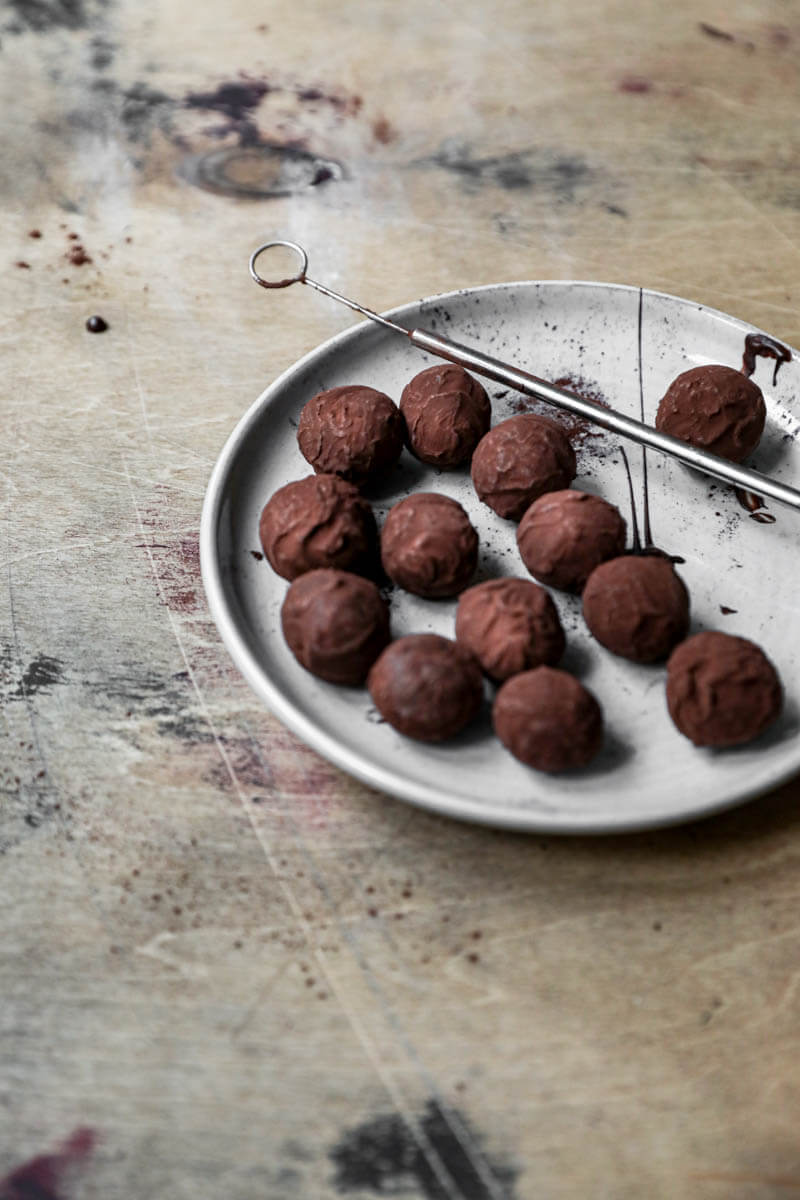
[[350, 762]]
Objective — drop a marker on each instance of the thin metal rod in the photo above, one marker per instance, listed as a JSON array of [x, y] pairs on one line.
[[607, 418], [540, 389]]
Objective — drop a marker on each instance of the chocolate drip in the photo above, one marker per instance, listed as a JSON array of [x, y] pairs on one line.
[[636, 548], [755, 505], [759, 344]]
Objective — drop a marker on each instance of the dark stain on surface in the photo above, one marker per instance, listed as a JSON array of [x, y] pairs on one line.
[[535, 169], [41, 675], [236, 100], [41, 16], [713, 32], [42, 1178], [385, 1157]]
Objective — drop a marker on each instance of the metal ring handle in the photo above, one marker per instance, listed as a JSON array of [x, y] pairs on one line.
[[279, 283]]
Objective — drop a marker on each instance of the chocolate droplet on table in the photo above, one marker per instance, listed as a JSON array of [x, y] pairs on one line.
[[96, 324]]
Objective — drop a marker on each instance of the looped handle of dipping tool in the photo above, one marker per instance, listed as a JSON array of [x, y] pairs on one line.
[[540, 389]]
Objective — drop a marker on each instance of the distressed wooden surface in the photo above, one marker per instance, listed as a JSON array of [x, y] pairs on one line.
[[226, 969]]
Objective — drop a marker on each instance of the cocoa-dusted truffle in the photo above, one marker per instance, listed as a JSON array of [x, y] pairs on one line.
[[715, 408], [319, 521], [637, 607], [428, 545], [446, 412], [335, 624], [426, 686], [519, 460], [510, 625], [722, 690], [564, 535], [548, 720], [355, 432]]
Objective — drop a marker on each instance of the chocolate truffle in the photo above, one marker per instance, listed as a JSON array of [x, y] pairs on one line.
[[565, 535], [510, 625], [722, 690], [446, 412], [637, 607], [548, 720], [335, 624], [428, 545], [319, 521], [355, 432], [519, 460], [715, 408], [426, 686]]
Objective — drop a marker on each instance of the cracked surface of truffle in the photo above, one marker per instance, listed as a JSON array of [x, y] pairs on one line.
[[318, 521], [564, 535], [715, 408], [510, 625], [353, 431], [519, 460], [426, 686], [722, 690], [637, 606], [428, 545], [446, 412], [335, 624], [548, 720]]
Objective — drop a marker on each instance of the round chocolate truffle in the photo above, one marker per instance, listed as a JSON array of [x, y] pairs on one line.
[[519, 460], [565, 535], [722, 690], [510, 625], [548, 720], [715, 408], [355, 432], [637, 607], [335, 624], [428, 545], [319, 521], [426, 686], [446, 412]]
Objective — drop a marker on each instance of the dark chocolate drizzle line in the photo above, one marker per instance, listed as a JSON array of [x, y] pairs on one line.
[[649, 547], [648, 536], [636, 548], [756, 344]]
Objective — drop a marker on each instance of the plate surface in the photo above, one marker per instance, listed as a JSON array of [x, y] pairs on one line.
[[742, 575]]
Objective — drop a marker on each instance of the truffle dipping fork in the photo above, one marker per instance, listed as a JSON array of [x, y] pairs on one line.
[[540, 389]]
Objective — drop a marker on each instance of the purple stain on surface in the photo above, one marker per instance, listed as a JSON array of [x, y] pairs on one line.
[[42, 1178], [635, 84]]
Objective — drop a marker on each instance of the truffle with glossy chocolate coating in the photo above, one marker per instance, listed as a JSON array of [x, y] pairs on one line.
[[715, 408], [519, 460], [510, 625], [446, 412], [335, 624], [564, 535], [428, 545], [318, 521], [353, 431], [722, 690], [426, 686], [637, 606], [548, 720]]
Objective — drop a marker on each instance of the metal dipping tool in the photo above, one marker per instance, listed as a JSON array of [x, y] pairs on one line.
[[540, 389]]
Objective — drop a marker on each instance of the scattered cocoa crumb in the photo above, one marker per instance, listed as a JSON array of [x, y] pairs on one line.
[[24, 266], [34, 233], [96, 324], [78, 256]]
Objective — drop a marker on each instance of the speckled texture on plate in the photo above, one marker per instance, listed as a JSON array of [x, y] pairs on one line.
[[646, 775]]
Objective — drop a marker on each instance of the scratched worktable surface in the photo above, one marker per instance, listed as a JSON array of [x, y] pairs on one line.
[[227, 969]]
